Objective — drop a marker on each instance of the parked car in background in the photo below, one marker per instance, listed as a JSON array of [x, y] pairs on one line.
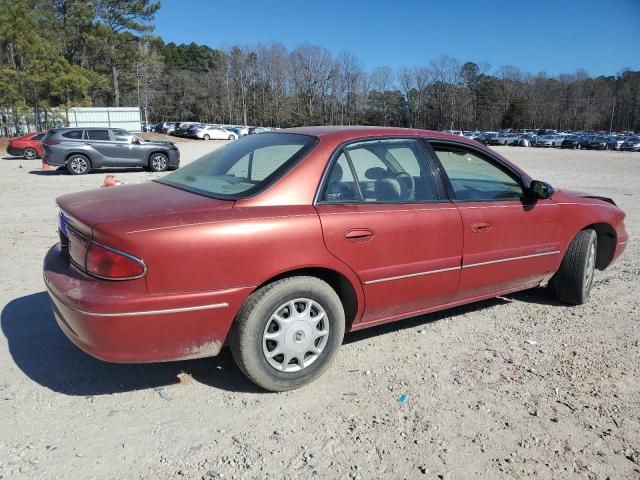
[[583, 141], [485, 137], [182, 128], [527, 140], [82, 149], [614, 142], [502, 139], [240, 131], [549, 141], [27, 146], [325, 231], [571, 141], [212, 132], [597, 142], [166, 127], [259, 130], [631, 144]]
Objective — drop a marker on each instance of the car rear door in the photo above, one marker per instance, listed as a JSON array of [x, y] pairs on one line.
[[510, 242], [100, 141], [385, 215]]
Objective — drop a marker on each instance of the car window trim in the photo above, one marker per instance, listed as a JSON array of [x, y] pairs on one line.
[[442, 195], [493, 160]]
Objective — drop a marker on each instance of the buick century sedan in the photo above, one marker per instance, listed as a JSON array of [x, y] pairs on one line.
[[277, 244]]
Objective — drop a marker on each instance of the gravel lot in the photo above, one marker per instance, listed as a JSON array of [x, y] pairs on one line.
[[512, 387]]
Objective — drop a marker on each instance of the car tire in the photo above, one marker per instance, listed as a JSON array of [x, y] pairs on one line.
[[78, 164], [29, 153], [206, 137], [573, 281], [254, 337], [232, 137], [158, 162]]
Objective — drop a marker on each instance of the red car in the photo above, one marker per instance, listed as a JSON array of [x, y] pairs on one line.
[[27, 146], [278, 243]]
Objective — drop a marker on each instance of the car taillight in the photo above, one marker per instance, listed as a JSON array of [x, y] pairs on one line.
[[51, 142], [110, 264]]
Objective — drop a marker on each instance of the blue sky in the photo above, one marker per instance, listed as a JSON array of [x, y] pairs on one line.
[[536, 36]]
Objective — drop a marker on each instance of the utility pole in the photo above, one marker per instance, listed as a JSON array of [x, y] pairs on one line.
[[613, 109]]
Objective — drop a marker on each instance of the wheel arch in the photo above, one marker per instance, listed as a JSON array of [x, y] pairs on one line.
[[78, 152], [153, 152], [336, 280], [606, 243]]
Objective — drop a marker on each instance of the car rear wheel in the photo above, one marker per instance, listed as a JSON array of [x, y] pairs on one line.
[[572, 282], [158, 162], [29, 153], [288, 333], [232, 137], [206, 137], [78, 165]]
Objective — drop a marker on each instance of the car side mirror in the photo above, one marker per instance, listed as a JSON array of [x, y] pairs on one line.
[[136, 141], [540, 190]]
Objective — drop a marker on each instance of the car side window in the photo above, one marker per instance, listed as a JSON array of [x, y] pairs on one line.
[[121, 136], [73, 134], [475, 178], [98, 135], [392, 170], [341, 185]]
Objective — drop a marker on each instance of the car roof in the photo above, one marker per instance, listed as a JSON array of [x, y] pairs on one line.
[[344, 133]]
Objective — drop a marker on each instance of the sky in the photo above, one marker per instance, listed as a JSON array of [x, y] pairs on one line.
[[602, 37]]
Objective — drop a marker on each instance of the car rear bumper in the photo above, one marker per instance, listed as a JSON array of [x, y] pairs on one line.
[[13, 151], [137, 328]]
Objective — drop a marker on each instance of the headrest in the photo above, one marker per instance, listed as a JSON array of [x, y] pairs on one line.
[[376, 173]]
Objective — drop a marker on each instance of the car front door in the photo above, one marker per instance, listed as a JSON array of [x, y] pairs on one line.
[[386, 216], [510, 241], [127, 149]]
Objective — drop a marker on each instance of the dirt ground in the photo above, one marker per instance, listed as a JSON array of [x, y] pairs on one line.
[[514, 387]]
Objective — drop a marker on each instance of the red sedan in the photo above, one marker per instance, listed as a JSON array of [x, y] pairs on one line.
[[280, 242], [27, 146]]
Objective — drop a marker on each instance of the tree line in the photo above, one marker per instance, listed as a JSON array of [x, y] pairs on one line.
[[64, 53]]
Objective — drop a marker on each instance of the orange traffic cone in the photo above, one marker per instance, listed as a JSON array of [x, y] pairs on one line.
[[110, 181], [45, 166]]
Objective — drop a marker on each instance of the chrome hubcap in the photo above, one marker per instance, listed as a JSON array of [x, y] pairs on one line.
[[295, 335], [591, 264], [79, 165], [159, 162], [29, 153]]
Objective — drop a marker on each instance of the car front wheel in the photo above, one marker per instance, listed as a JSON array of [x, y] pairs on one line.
[[206, 137], [572, 282], [158, 162], [78, 165], [288, 332]]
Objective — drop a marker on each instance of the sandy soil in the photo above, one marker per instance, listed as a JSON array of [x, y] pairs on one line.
[[513, 387]]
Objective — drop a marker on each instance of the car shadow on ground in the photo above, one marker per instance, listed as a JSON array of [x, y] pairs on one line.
[[102, 171], [46, 356]]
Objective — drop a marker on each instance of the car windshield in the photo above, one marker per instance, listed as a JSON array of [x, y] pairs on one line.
[[571, 137], [242, 168]]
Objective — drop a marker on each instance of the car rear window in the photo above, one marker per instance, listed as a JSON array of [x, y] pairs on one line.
[[74, 134], [244, 167]]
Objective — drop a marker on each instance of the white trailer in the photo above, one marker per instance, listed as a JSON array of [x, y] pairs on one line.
[[127, 118]]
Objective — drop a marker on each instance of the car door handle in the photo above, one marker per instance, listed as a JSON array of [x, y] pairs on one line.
[[358, 234], [481, 227]]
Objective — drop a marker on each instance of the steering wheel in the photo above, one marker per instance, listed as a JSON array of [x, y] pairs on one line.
[[408, 184]]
